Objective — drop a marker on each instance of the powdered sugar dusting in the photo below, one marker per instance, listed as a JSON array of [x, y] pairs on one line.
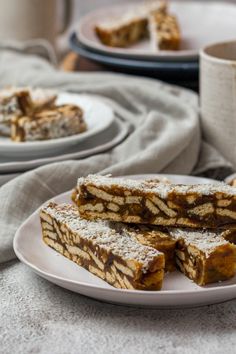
[[206, 241], [161, 189], [120, 243]]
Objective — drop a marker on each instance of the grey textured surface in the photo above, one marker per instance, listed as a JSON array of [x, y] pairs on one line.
[[39, 317]]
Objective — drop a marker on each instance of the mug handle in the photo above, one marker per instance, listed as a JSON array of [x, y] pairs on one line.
[[67, 7]]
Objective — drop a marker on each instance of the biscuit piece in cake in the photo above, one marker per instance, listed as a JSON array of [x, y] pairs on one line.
[[113, 256], [58, 122], [134, 201], [204, 256]]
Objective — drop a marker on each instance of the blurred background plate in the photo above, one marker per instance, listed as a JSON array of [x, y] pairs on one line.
[[176, 71], [102, 142], [201, 23], [97, 115]]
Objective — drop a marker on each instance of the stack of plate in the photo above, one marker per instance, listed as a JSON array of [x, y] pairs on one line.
[[103, 133], [201, 23]]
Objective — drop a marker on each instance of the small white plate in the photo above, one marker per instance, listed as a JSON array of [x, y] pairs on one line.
[[101, 142], [201, 23], [178, 291], [97, 115]]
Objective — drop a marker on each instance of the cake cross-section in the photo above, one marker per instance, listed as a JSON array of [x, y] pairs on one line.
[[135, 201], [204, 256], [157, 238], [112, 255], [129, 27]]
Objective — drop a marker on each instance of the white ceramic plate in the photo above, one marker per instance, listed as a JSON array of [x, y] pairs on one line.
[[101, 142], [97, 115], [201, 23], [178, 291]]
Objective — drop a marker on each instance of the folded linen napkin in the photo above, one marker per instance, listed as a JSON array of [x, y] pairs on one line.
[[165, 138]]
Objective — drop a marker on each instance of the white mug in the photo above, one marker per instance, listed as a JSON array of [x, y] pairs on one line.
[[218, 97], [30, 19]]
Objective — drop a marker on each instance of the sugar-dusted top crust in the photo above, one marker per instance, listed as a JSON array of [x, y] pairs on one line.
[[120, 243], [206, 241], [161, 189], [133, 14]]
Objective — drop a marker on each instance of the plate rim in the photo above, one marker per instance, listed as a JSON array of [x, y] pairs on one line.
[[189, 55], [16, 166], [148, 65], [204, 290]]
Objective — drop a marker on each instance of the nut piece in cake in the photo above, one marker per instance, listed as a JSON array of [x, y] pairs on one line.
[[204, 256], [135, 201], [113, 256], [164, 31], [58, 122], [130, 27]]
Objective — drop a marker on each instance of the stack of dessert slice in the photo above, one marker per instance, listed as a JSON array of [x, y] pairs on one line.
[[131, 232], [32, 114]]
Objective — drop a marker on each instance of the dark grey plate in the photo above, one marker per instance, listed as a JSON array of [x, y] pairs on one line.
[[169, 71]]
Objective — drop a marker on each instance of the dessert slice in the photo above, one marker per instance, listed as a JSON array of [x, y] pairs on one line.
[[127, 29], [134, 201], [157, 238], [204, 256], [164, 31], [113, 256], [58, 122]]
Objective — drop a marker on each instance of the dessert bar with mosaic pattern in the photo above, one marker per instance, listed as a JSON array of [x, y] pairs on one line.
[[135, 201], [129, 28], [112, 255], [57, 122], [204, 256]]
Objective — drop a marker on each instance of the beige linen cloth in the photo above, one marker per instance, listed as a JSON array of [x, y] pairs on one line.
[[38, 317]]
